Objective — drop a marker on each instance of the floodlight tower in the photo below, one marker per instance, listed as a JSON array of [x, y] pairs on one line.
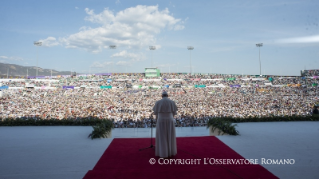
[[37, 44], [259, 45], [190, 48], [152, 48], [113, 47]]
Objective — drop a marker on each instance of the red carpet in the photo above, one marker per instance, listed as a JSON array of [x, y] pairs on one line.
[[122, 159]]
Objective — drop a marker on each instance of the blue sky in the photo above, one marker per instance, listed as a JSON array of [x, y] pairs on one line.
[[76, 35]]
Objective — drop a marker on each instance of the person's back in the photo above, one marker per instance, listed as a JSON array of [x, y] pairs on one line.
[[165, 109]]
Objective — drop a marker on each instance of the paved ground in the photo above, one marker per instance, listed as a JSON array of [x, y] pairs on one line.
[[66, 152]]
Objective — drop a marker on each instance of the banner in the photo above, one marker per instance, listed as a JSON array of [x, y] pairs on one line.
[[68, 87], [154, 87], [200, 86], [104, 74], [211, 79], [4, 87], [234, 86], [137, 86], [42, 77], [173, 79], [106, 87], [231, 79]]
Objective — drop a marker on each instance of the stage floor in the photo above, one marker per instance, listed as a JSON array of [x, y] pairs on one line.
[[66, 152]]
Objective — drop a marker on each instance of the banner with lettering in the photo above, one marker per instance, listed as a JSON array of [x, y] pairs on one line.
[[68, 87]]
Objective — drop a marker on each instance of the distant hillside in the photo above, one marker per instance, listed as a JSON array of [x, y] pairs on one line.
[[18, 70]]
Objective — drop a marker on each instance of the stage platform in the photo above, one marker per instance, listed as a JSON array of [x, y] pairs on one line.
[[66, 152]]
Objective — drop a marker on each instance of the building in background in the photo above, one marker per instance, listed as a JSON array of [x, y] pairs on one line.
[[152, 72]]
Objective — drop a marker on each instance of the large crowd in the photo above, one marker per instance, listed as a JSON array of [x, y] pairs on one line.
[[132, 107]]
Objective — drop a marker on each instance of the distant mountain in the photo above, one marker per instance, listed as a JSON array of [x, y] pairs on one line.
[[19, 71]]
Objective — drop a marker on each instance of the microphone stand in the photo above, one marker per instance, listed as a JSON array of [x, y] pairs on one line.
[[151, 146]]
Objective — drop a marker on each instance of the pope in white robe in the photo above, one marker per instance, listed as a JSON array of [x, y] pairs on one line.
[[165, 109]]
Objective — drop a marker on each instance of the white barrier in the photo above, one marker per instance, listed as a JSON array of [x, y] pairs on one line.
[[211, 79], [174, 80], [147, 80], [15, 87]]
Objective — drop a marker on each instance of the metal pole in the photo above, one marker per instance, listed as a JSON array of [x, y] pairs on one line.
[[190, 61], [37, 63], [113, 47], [152, 48], [37, 44], [259, 63], [190, 57], [259, 45]]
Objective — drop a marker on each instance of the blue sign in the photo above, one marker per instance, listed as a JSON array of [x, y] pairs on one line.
[[4, 87]]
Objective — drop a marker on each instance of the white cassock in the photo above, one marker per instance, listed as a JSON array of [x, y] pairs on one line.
[[165, 145]]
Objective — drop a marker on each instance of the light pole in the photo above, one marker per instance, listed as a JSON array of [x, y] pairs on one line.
[[259, 45], [190, 57], [37, 44], [152, 48], [113, 47]]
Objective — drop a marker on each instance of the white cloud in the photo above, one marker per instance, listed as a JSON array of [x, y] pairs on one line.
[[124, 63], [7, 59], [84, 28], [49, 42], [4, 57], [117, 2], [76, 8], [131, 56], [100, 64], [307, 39], [133, 27]]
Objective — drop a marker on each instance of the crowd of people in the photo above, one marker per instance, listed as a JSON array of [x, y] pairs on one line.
[[129, 107]]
